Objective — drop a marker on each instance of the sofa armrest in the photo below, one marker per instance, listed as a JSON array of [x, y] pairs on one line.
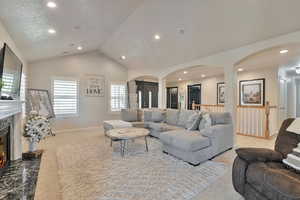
[[220, 136], [216, 130], [259, 155]]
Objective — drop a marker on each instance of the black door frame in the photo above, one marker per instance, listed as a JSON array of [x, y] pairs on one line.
[[189, 106]]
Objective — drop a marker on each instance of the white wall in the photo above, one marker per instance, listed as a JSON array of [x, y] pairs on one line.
[[209, 85], [17, 137], [92, 110]]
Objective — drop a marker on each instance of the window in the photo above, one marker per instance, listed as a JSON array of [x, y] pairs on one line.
[[118, 94], [8, 80], [65, 97]]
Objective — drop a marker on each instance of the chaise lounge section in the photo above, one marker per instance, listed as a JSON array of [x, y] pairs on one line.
[[198, 146]]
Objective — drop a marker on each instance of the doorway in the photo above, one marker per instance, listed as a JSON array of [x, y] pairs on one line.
[[147, 93], [194, 95], [172, 97]]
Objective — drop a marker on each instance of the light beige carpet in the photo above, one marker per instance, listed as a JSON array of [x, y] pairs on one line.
[[98, 172]]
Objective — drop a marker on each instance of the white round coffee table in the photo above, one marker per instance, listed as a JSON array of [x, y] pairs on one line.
[[125, 134]]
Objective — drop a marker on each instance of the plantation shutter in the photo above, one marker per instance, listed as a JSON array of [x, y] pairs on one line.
[[65, 97], [118, 97]]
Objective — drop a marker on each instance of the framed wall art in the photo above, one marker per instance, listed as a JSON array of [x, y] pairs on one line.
[[220, 93], [39, 101], [252, 92], [94, 86]]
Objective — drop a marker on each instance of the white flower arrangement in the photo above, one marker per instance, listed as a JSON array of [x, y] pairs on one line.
[[36, 128]]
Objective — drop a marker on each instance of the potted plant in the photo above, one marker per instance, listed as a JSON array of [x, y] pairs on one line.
[[36, 128]]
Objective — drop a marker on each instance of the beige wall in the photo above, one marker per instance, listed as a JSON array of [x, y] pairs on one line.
[[209, 85], [92, 110]]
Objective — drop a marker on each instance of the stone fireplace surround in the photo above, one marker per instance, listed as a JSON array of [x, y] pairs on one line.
[[13, 109]]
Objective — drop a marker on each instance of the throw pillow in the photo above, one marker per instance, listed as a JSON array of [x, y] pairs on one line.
[[293, 159], [205, 121], [172, 117], [192, 122]]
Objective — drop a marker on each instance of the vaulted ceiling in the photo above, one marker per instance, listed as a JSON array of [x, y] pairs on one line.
[[188, 29]]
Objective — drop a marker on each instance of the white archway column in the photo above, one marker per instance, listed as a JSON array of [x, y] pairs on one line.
[[162, 93], [230, 76]]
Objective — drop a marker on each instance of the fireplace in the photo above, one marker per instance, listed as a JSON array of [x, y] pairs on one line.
[[5, 147]]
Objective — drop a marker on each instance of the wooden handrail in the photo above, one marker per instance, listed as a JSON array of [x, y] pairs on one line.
[[267, 108]]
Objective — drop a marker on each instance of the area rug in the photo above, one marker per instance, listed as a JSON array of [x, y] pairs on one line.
[[98, 172]]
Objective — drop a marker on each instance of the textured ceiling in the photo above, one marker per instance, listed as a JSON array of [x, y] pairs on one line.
[[78, 22], [210, 26], [126, 27]]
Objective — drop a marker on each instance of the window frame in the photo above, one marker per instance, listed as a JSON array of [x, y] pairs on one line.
[[110, 96], [63, 116]]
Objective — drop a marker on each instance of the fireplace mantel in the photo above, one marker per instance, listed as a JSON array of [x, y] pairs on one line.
[[9, 108]]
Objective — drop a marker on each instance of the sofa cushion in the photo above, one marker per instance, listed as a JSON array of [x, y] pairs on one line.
[[183, 117], [185, 140], [274, 180], [205, 121], [192, 122], [158, 116], [220, 118], [129, 115], [172, 117]]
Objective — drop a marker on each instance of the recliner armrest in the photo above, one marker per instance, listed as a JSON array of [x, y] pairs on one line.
[[259, 155]]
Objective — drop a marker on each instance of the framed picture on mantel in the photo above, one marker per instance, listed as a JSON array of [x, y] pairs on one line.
[[252, 92]]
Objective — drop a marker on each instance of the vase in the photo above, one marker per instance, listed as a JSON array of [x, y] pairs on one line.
[[32, 146]]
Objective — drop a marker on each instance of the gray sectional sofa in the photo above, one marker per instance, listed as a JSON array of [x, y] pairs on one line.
[[189, 135]]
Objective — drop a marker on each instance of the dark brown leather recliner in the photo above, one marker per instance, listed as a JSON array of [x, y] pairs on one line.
[[259, 174]]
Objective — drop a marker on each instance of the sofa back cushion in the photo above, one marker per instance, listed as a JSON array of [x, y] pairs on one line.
[[220, 118], [154, 116], [183, 117], [158, 116], [172, 116], [129, 115], [147, 116]]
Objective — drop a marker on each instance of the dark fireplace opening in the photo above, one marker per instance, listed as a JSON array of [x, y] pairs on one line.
[[4, 145]]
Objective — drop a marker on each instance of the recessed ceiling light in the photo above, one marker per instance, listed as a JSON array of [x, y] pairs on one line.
[[51, 4], [79, 48], [180, 79], [283, 51], [203, 75], [185, 72], [51, 31], [157, 37], [240, 69], [123, 57]]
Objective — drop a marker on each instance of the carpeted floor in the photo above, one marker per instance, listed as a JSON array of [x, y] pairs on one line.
[[98, 172]]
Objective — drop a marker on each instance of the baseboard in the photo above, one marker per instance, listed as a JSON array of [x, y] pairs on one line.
[[77, 129]]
